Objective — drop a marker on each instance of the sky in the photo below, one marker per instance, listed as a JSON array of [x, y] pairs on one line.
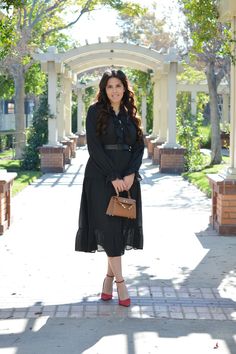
[[102, 23]]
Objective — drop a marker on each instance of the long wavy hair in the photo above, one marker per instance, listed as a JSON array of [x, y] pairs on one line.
[[127, 102]]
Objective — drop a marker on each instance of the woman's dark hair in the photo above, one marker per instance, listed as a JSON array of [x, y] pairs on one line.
[[105, 105]]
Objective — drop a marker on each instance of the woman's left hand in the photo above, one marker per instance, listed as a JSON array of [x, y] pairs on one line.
[[129, 180]]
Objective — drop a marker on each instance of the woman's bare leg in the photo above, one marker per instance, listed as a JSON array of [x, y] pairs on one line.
[[108, 281], [116, 267], [109, 270]]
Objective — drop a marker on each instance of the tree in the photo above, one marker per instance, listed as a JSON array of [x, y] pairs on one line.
[[210, 38], [146, 30], [37, 135], [36, 24]]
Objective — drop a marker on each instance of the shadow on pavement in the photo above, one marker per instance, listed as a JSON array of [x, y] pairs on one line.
[[126, 336]]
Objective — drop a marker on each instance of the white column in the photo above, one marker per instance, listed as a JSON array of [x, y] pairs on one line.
[[171, 136], [231, 173], [225, 109], [68, 104], [79, 111], [61, 112], [194, 103], [144, 113], [156, 99], [52, 102], [163, 108]]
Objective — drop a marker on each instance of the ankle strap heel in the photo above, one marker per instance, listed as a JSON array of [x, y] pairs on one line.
[[104, 296], [125, 302]]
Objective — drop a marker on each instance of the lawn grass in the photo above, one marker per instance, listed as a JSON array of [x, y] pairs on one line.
[[200, 179], [7, 154], [23, 179]]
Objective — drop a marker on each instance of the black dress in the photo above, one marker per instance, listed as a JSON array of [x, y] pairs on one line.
[[98, 231]]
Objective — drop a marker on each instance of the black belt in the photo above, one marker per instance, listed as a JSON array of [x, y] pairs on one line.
[[118, 147]]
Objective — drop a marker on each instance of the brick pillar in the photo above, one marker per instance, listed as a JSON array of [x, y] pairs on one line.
[[223, 218], [81, 139], [145, 139], [156, 153], [6, 181], [68, 150], [74, 139], [52, 159], [151, 143], [171, 159]]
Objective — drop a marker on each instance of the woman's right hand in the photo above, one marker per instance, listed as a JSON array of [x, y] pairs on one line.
[[119, 185]]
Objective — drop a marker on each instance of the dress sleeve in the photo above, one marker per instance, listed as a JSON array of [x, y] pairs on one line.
[[95, 148], [136, 159]]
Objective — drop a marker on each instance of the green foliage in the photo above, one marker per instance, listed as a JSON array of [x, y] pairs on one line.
[[6, 87], [124, 7], [23, 179], [6, 142], [205, 136], [89, 96], [202, 16], [207, 32], [7, 35], [188, 133], [35, 80], [200, 179], [37, 136], [8, 3], [3, 142], [225, 127], [191, 75]]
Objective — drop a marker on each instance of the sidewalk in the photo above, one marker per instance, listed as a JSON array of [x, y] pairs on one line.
[[182, 285]]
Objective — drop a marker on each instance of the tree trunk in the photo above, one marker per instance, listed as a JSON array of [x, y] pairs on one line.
[[216, 156], [20, 138]]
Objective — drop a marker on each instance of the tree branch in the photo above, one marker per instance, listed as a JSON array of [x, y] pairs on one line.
[[31, 11], [42, 12], [83, 10]]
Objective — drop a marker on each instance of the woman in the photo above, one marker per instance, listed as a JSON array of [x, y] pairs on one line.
[[115, 145]]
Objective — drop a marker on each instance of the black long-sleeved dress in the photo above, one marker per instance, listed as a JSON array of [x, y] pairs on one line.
[[98, 231]]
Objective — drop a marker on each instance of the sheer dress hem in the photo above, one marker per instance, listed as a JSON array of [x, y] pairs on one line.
[[133, 240]]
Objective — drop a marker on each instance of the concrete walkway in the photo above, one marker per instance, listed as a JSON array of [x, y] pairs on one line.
[[182, 285]]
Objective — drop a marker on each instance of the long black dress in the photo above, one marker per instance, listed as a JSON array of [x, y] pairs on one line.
[[98, 231]]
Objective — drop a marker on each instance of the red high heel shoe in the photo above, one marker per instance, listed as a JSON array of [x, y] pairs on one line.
[[104, 296], [126, 302]]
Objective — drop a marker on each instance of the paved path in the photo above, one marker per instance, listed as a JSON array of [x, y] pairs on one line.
[[185, 277]]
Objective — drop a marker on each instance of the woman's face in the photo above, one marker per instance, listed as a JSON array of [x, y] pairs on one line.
[[114, 90]]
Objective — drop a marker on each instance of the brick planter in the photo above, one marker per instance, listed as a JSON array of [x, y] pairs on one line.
[[148, 138], [145, 136], [6, 181], [156, 154], [74, 140], [151, 143], [52, 159], [81, 140], [171, 159], [223, 218], [68, 150]]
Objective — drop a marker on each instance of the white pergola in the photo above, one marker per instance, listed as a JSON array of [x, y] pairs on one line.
[[68, 65], [181, 86]]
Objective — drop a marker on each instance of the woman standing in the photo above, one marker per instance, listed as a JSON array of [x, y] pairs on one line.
[[115, 145]]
